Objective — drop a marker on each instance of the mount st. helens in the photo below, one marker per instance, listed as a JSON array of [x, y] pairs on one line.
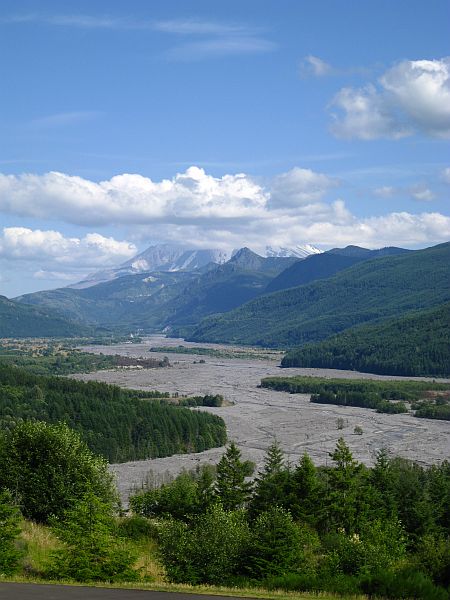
[[169, 296]]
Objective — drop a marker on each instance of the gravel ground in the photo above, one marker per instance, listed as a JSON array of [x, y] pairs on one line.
[[258, 416]]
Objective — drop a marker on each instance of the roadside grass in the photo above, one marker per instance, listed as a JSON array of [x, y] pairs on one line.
[[38, 541], [199, 589]]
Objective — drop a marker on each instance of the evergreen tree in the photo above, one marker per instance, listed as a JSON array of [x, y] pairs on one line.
[[344, 489], [271, 482], [231, 488], [306, 492], [9, 531], [276, 544], [381, 480], [91, 551]]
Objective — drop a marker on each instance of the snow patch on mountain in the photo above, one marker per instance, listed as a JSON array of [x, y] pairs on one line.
[[299, 251]]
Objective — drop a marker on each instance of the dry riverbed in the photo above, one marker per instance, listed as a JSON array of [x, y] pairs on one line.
[[258, 416]]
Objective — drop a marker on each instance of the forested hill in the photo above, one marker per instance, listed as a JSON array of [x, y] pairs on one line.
[[121, 425], [326, 264], [377, 289], [417, 344], [19, 320]]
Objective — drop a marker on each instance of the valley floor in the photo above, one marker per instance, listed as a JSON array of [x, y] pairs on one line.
[[258, 415]]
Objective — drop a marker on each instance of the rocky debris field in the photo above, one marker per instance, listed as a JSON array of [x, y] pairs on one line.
[[257, 416]]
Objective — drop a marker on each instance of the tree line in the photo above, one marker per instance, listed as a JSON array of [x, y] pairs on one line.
[[343, 528], [428, 399], [413, 345], [121, 425]]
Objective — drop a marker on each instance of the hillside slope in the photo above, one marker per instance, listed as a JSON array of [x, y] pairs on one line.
[[375, 289], [159, 299], [322, 266], [18, 320], [417, 344]]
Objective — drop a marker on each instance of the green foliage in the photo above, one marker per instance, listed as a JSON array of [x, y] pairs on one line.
[[210, 549], [9, 531], [48, 468], [384, 396], [231, 488], [374, 290], [276, 545], [270, 485], [180, 499], [306, 490], [90, 551], [345, 504], [121, 425], [406, 583], [433, 557], [379, 545], [135, 527], [19, 320], [415, 344]]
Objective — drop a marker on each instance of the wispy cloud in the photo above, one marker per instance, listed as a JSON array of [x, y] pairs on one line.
[[314, 66], [64, 118], [213, 48], [201, 38]]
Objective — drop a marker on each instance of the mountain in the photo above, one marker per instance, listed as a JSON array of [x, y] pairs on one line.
[[172, 257], [326, 264], [293, 251], [379, 288], [18, 320], [242, 278], [416, 344], [112, 302], [163, 257], [159, 299]]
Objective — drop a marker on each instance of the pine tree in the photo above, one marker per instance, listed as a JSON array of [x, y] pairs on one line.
[[305, 492], [343, 495], [271, 482], [231, 488]]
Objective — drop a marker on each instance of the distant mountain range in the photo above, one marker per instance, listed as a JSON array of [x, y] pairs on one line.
[[375, 289], [350, 307], [170, 258]]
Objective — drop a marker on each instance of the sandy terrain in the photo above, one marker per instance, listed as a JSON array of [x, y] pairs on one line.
[[258, 416]]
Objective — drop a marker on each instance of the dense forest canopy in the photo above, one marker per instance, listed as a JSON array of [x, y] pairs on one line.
[[417, 344], [374, 290], [121, 425]]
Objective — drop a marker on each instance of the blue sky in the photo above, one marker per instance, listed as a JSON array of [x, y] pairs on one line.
[[218, 124]]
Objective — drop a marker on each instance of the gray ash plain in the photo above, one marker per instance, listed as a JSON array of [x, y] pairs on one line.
[[258, 416]]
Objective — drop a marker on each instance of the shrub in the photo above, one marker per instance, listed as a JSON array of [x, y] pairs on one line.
[[208, 550], [90, 551], [407, 583], [136, 528], [50, 468]]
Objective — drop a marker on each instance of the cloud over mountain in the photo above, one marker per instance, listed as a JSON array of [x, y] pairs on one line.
[[54, 250]]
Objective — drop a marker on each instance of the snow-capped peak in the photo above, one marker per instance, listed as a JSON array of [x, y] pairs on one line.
[[299, 251]]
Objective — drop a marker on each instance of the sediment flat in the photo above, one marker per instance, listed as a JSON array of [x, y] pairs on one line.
[[258, 416]]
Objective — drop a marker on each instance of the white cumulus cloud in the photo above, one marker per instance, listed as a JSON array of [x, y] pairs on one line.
[[52, 248], [299, 186], [131, 198], [410, 97]]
